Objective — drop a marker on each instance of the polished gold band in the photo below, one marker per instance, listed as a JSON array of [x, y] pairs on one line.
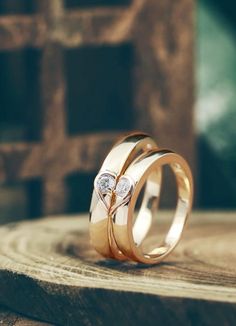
[[128, 240], [123, 153]]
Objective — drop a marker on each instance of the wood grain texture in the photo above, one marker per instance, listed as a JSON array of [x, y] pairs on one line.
[[49, 271]]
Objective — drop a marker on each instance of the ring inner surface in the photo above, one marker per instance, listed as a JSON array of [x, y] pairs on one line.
[[149, 207]]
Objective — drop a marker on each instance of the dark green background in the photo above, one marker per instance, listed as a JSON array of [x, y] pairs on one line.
[[215, 109]]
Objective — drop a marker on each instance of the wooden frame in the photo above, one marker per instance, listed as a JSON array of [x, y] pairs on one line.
[[161, 33]]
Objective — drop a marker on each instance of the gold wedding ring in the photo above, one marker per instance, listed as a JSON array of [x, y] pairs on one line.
[[118, 159], [135, 163]]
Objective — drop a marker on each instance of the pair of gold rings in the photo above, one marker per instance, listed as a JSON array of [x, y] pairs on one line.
[[133, 164]]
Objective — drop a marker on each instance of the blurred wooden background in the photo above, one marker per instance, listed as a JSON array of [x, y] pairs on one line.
[[74, 76]]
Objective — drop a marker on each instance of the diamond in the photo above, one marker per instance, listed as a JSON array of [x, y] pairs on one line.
[[123, 187], [106, 183]]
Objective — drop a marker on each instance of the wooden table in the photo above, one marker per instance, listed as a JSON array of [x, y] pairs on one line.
[[48, 271]]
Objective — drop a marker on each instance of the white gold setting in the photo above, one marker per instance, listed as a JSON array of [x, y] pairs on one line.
[[105, 182], [123, 187], [106, 185]]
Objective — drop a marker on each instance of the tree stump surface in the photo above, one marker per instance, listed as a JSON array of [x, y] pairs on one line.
[[49, 271]]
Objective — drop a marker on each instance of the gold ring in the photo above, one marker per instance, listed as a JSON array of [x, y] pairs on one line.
[[123, 153], [144, 168]]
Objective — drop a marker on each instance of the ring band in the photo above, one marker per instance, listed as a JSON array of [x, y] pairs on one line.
[[118, 159], [145, 167], [133, 162]]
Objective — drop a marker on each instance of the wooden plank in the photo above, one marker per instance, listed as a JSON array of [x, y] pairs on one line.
[[77, 28], [49, 271], [22, 31], [97, 26], [80, 153], [164, 80]]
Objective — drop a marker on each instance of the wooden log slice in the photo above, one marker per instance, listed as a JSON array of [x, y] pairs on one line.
[[49, 271]]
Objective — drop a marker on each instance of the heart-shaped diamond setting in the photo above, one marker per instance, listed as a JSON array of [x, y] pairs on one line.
[[106, 185]]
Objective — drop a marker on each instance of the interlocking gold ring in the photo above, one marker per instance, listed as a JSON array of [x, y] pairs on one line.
[[112, 230], [118, 159]]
